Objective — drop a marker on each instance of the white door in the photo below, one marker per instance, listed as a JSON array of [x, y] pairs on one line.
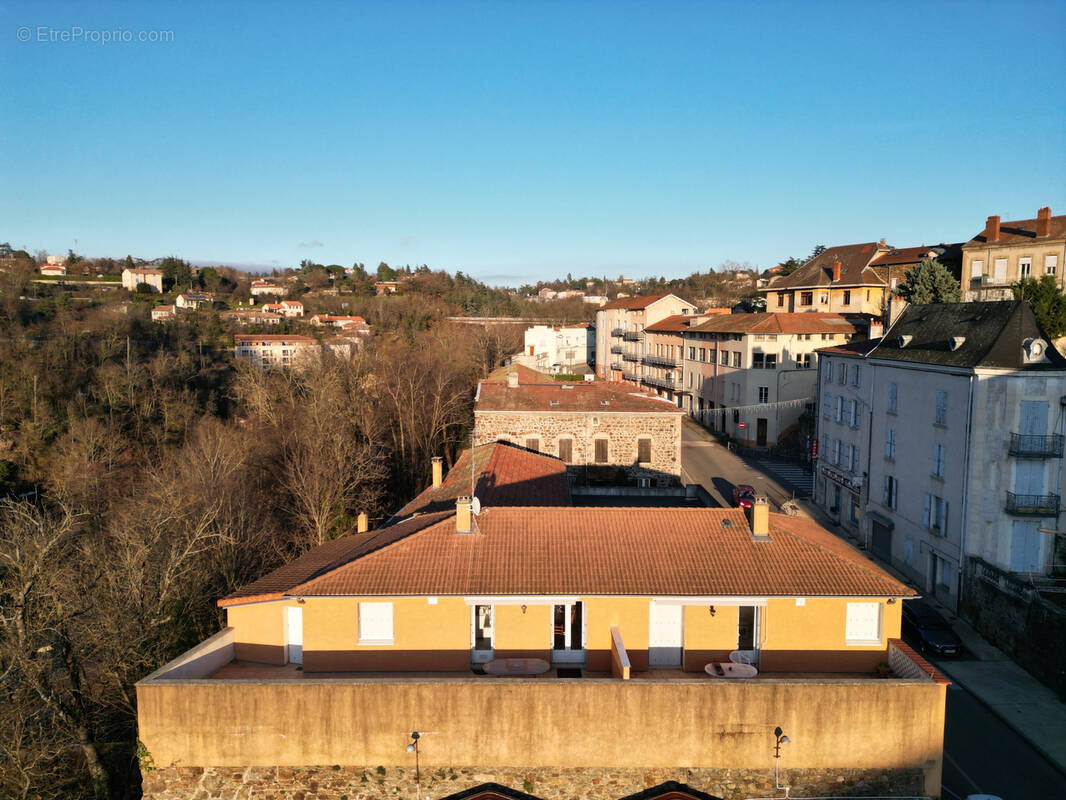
[[569, 633], [665, 634], [294, 635]]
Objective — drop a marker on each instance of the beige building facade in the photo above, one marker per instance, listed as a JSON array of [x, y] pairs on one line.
[[1005, 252], [620, 328]]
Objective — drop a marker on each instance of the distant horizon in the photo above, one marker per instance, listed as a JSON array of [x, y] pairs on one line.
[[521, 141]]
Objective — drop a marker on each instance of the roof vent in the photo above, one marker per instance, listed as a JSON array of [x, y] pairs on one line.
[[1035, 350], [605, 402], [904, 340], [727, 523], [553, 402], [955, 342], [567, 386]]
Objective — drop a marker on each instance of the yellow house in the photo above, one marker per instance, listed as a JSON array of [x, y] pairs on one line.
[[841, 280]]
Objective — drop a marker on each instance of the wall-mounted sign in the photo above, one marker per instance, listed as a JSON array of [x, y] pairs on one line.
[[851, 482]]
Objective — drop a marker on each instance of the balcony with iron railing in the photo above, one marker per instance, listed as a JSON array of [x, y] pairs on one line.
[[664, 383], [618, 331], [616, 365], [631, 376], [633, 336], [1037, 505], [1024, 445], [630, 357], [617, 349], [662, 361]]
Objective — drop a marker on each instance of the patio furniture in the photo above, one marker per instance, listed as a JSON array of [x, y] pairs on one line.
[[740, 657], [504, 667], [727, 669]]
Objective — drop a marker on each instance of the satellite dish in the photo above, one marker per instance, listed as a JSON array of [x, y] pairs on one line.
[[475, 506]]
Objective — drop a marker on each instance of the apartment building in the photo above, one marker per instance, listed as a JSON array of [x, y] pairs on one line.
[[752, 376], [596, 428], [620, 331], [1005, 252], [942, 444], [660, 367], [273, 351], [513, 633], [132, 278], [559, 348]]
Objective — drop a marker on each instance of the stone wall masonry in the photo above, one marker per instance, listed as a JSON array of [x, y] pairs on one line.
[[621, 429], [373, 782]]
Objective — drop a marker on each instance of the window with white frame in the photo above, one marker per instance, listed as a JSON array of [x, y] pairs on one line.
[[891, 491], [1051, 264], [804, 361], [977, 268], [764, 394], [1025, 267], [935, 514], [893, 392], [941, 408], [863, 624], [736, 360], [375, 623], [938, 459], [890, 444]]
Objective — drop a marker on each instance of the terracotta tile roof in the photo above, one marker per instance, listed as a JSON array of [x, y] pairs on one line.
[[674, 324], [636, 303], [525, 375], [1019, 232], [586, 396], [280, 338], [589, 551], [783, 323], [818, 272], [504, 474]]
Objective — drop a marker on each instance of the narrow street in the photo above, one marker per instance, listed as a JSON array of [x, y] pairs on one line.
[[982, 754]]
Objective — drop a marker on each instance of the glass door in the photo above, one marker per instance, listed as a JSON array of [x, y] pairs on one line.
[[748, 633], [568, 633], [482, 644]]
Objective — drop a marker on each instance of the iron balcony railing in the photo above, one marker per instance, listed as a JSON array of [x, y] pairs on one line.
[[633, 336], [631, 376], [618, 331], [630, 357], [1024, 445], [616, 365], [617, 349], [662, 361], [1035, 504], [665, 383]]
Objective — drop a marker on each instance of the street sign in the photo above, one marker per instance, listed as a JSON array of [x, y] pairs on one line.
[[740, 424]]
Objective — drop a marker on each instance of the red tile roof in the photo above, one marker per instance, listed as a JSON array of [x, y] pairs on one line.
[[504, 475], [587, 396], [636, 303], [783, 323], [818, 272], [525, 375], [586, 551], [1019, 232], [913, 255], [280, 338], [673, 324]]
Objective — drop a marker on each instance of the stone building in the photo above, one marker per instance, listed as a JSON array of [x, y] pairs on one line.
[[620, 332], [1005, 252], [594, 427]]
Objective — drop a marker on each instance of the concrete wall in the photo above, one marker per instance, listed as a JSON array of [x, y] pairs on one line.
[[622, 430], [682, 724]]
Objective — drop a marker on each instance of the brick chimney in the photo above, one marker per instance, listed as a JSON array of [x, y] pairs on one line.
[[363, 522], [759, 520], [1043, 221], [463, 517], [992, 229], [438, 471], [512, 380], [836, 271]]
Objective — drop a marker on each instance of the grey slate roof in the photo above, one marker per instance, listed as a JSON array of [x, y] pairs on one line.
[[993, 334]]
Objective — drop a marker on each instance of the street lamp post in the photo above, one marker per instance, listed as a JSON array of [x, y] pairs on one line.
[[779, 739], [413, 748]]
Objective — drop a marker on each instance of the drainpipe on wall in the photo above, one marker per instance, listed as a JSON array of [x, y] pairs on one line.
[[963, 550]]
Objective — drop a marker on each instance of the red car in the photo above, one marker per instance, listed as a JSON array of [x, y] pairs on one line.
[[743, 496]]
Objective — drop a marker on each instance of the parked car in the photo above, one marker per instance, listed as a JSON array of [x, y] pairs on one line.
[[929, 630], [743, 496]]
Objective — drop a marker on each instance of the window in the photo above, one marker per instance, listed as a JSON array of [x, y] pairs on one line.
[[601, 451], [803, 361], [566, 450], [855, 466], [1000, 267], [834, 453], [644, 450], [892, 392], [780, 299], [863, 624], [847, 297], [806, 298], [771, 360], [839, 413], [891, 492], [856, 379], [842, 373], [845, 454], [854, 416], [941, 408], [692, 353], [1025, 546], [1025, 267], [724, 358], [533, 443], [827, 411], [829, 372], [977, 269], [890, 444], [935, 514], [736, 360], [941, 572], [703, 354], [938, 459], [757, 360], [375, 623], [764, 394], [1051, 263]]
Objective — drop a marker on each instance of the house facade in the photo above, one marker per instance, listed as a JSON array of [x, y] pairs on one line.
[[840, 280], [555, 349], [1005, 252], [752, 376], [261, 288], [269, 352], [593, 427], [53, 269], [192, 301], [959, 406], [132, 278], [516, 636], [620, 332], [160, 313]]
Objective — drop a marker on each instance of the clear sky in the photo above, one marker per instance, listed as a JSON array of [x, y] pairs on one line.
[[524, 140]]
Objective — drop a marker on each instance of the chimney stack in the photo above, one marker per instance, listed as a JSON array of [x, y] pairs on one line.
[[363, 523], [992, 229], [836, 271], [1043, 221], [438, 471], [759, 520], [512, 380], [463, 517]]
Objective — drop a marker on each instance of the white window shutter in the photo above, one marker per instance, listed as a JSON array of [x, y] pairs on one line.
[[375, 622]]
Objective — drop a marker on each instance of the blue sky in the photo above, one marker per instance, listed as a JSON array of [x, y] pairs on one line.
[[524, 140]]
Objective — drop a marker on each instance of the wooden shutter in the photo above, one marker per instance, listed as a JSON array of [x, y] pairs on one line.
[[601, 451], [644, 450]]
